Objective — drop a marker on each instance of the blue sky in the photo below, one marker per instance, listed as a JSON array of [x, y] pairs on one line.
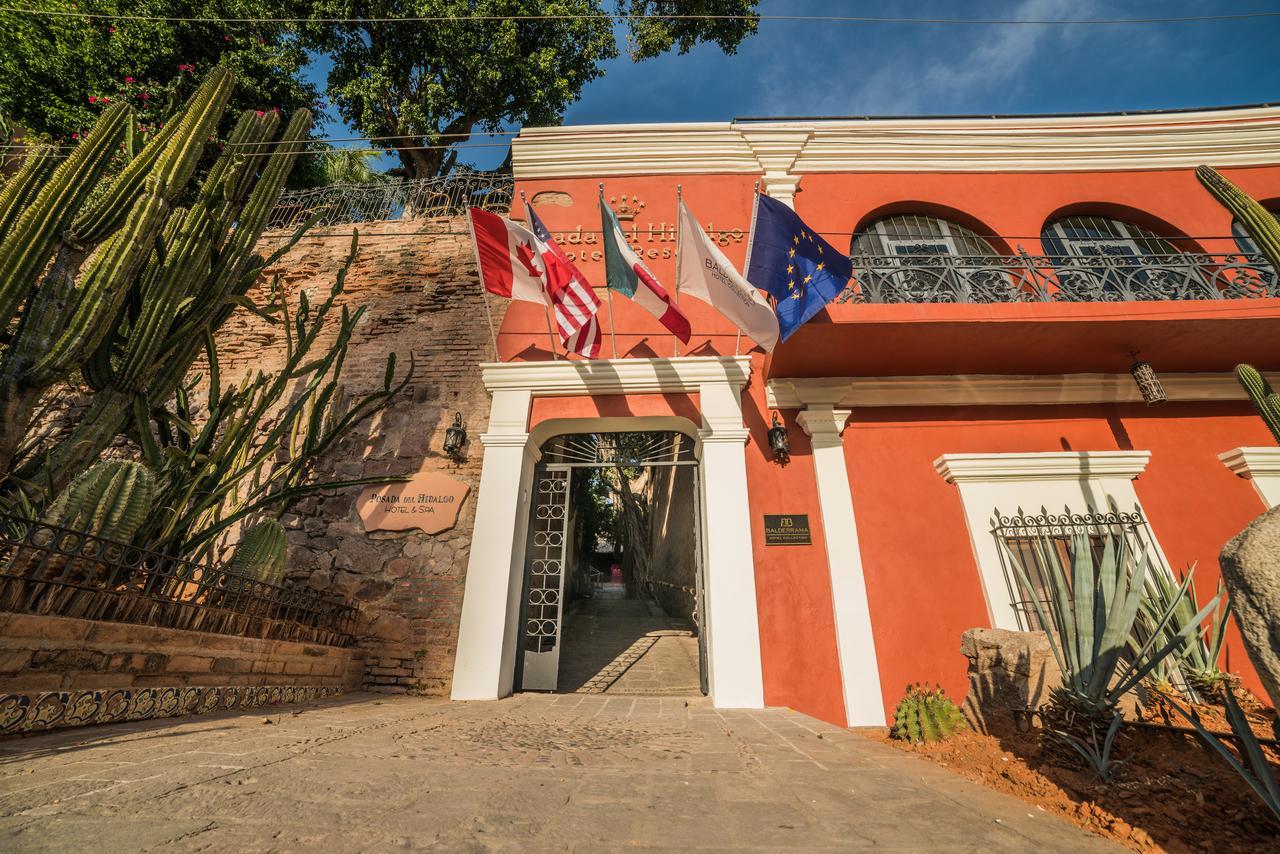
[[793, 68]]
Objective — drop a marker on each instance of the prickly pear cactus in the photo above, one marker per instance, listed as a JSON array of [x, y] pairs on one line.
[[926, 715], [110, 499], [1264, 399], [260, 555]]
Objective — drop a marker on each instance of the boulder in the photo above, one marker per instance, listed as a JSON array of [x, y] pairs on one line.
[[1251, 572], [1007, 670]]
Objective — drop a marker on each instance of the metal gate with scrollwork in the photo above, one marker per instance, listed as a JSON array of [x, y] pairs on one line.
[[544, 590]]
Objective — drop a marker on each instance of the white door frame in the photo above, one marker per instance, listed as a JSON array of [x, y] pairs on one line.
[[484, 666]]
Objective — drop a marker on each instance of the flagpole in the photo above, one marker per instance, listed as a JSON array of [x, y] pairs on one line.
[[751, 236], [675, 342], [484, 297], [546, 309], [608, 291]]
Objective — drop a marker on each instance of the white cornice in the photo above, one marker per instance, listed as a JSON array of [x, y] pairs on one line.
[[994, 390], [1252, 462], [1239, 137], [1055, 465], [616, 376]]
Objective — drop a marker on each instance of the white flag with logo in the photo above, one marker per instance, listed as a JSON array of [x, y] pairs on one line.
[[705, 273]]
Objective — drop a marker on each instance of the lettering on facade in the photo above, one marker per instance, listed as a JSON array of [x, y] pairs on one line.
[[651, 242], [429, 501], [791, 529]]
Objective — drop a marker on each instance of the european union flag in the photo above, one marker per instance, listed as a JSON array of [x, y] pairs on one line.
[[789, 260]]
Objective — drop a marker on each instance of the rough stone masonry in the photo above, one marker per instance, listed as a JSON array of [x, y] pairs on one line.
[[418, 281]]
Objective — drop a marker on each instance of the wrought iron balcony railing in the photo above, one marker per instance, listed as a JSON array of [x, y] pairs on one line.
[[1058, 278], [450, 195], [46, 569]]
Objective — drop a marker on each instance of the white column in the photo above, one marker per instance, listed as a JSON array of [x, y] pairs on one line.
[[859, 670], [1260, 465], [484, 666], [733, 626]]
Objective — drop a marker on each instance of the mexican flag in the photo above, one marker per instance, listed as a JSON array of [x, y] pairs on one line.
[[628, 275]]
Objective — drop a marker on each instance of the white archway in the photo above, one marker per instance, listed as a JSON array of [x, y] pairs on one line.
[[484, 666]]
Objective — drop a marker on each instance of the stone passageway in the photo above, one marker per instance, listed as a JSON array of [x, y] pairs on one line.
[[627, 647], [537, 773]]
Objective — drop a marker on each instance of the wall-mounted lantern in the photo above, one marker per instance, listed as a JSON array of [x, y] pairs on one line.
[[1148, 383], [778, 441], [455, 437]]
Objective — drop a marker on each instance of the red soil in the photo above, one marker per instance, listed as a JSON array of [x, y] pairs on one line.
[[1171, 794]]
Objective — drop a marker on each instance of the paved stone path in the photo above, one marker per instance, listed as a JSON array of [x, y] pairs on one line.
[[531, 774], [627, 647]]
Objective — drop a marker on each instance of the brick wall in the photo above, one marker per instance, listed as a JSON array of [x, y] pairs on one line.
[[418, 281], [41, 654]]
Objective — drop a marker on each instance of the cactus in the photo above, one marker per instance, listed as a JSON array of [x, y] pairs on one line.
[[120, 285], [925, 715], [1265, 401], [111, 499], [260, 554], [1256, 219]]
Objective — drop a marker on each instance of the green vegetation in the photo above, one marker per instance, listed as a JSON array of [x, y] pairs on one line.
[[926, 715], [260, 554], [1265, 401], [1256, 219], [110, 499]]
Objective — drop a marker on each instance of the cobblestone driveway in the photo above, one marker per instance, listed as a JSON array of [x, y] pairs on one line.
[[534, 773]]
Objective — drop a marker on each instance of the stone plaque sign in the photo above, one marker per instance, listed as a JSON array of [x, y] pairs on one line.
[[430, 501], [791, 529]]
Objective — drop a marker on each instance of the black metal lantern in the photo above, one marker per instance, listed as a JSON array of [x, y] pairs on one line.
[[778, 441], [455, 437], [1148, 383]]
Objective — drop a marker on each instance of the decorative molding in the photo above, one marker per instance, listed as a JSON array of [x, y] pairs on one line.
[[823, 423], [994, 390], [564, 378], [1251, 462], [38, 711], [1053, 465], [786, 149]]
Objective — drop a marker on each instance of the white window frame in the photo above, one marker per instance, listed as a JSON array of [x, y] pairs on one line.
[[1058, 481], [1259, 465]]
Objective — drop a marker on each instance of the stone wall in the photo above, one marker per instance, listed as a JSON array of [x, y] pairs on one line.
[[43, 653], [418, 282], [672, 558]]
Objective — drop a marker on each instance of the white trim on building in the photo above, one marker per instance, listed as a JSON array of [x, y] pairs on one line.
[[1260, 465]]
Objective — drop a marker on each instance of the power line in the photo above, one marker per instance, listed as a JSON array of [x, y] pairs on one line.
[[824, 19]]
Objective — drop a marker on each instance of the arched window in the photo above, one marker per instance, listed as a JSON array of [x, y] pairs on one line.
[[1094, 236], [925, 259], [912, 234], [1243, 241]]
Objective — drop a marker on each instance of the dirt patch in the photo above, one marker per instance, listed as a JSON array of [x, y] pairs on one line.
[[1171, 794]]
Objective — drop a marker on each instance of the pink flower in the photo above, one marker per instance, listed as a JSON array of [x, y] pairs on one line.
[[75, 135], [104, 99], [144, 96], [111, 29], [261, 113], [275, 110], [227, 38], [128, 80], [93, 99]]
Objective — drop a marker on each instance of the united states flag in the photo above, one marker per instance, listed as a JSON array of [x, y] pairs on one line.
[[572, 300]]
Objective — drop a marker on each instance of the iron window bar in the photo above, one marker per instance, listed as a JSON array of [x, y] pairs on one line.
[[50, 570]]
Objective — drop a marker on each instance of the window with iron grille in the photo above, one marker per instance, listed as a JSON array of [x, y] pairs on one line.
[[1023, 536]]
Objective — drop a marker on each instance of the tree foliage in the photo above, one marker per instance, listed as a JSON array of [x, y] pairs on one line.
[[55, 72], [432, 84]]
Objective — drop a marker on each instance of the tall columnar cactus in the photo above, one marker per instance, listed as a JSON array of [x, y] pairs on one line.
[[121, 285], [1265, 401], [111, 499], [926, 715], [260, 554], [1256, 219]]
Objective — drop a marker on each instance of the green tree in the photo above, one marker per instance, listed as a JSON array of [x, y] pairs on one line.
[[432, 84], [55, 72]]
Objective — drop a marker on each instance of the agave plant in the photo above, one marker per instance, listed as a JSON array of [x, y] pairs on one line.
[[1195, 660], [1093, 605], [1252, 764]]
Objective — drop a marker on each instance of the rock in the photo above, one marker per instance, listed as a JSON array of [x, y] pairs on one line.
[[1007, 670], [1251, 572], [389, 628]]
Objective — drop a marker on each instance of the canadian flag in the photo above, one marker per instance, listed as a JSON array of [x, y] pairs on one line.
[[507, 254]]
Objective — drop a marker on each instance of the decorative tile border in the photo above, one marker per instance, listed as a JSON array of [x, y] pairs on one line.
[[56, 709]]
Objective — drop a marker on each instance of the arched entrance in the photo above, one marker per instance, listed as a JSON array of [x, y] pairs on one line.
[[613, 585]]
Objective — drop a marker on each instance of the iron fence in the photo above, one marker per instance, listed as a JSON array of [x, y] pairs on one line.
[[1024, 535], [1057, 278], [47, 569], [449, 195]]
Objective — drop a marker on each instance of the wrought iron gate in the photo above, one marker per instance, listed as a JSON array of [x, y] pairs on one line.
[[544, 588]]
